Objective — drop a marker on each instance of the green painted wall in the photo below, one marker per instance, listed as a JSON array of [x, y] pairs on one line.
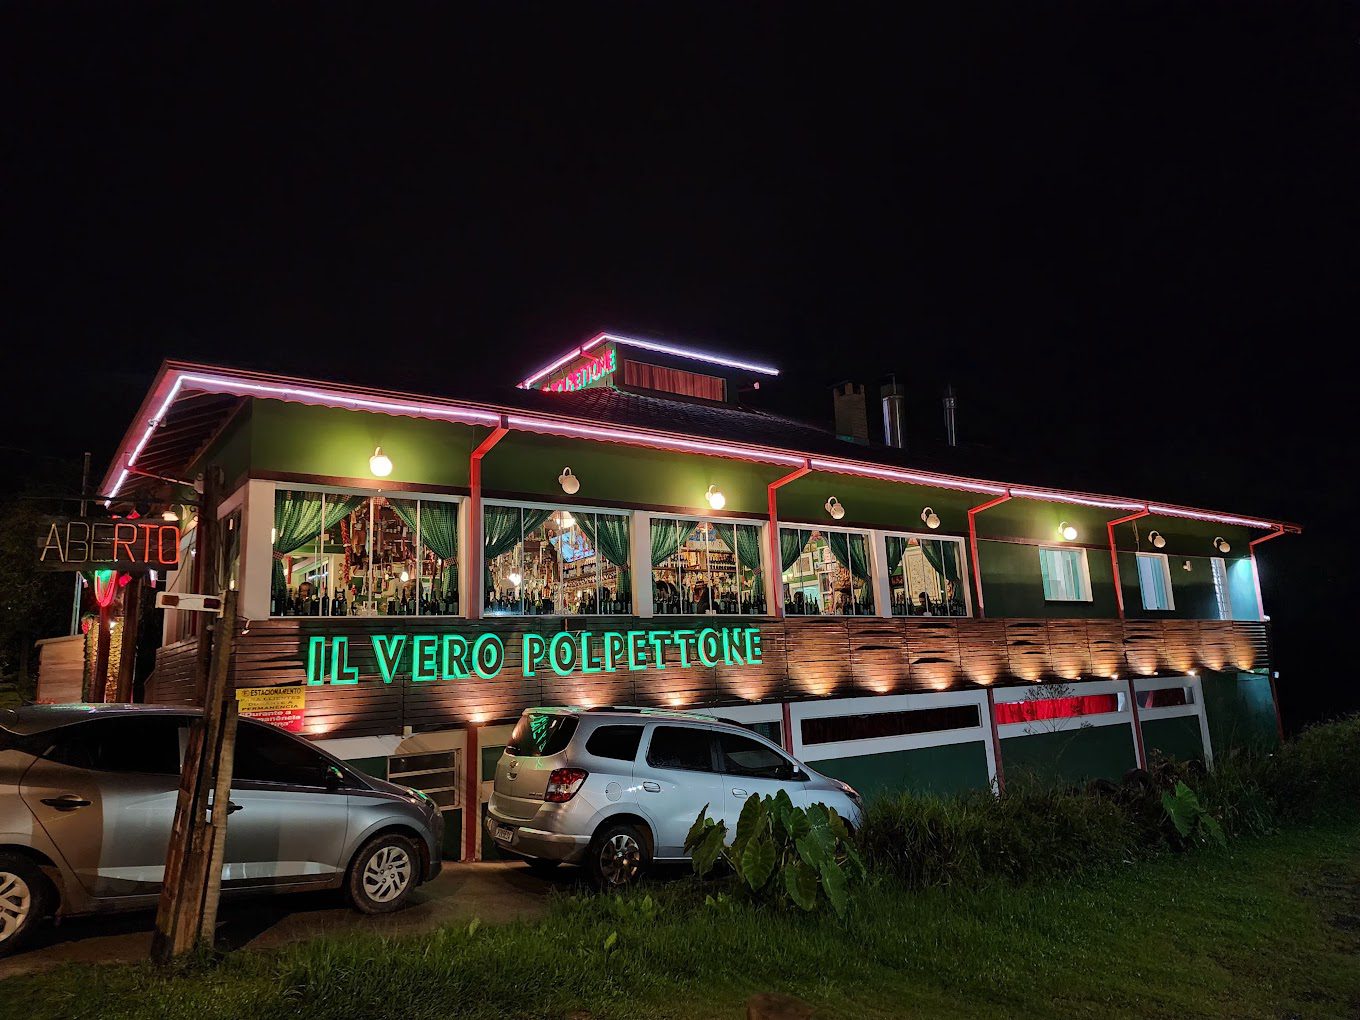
[[951, 768], [1176, 738], [1014, 587], [299, 439], [1192, 590], [231, 451], [1241, 711], [1069, 756], [875, 504], [613, 473]]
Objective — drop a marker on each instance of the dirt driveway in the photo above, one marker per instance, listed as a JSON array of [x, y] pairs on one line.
[[493, 891]]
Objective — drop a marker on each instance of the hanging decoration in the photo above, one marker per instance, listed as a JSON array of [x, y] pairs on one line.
[[105, 587]]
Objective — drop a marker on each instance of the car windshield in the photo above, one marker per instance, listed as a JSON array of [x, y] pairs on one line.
[[539, 734]]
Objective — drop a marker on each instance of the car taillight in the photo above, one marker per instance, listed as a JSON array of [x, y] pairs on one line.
[[563, 784]]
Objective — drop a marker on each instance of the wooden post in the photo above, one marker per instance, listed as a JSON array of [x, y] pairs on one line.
[[127, 659], [205, 571]]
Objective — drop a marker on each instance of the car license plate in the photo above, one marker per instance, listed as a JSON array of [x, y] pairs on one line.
[[504, 835]]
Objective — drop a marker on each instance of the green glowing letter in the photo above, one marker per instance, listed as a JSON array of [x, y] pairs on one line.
[[588, 665], [316, 661], [454, 665], [753, 645], [488, 656], [731, 646], [424, 652], [562, 653], [708, 646], [614, 645], [637, 653], [387, 649], [341, 671], [658, 639], [535, 648], [680, 638]]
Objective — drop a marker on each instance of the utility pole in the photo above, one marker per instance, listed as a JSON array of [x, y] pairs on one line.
[[80, 578], [187, 914]]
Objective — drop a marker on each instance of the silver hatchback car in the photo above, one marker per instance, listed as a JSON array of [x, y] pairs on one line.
[[615, 789], [87, 800]]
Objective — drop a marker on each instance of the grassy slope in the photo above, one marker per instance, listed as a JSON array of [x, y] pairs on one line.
[[1249, 932]]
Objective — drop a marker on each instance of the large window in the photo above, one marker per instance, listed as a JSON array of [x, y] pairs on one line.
[[825, 572], [1065, 575], [554, 561], [926, 576], [701, 566], [1222, 593], [354, 554], [1154, 579]]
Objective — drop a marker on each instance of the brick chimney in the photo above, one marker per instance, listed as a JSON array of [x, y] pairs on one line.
[[852, 414]]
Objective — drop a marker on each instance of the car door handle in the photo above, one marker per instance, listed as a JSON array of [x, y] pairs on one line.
[[66, 802], [652, 787], [233, 807], [739, 793]]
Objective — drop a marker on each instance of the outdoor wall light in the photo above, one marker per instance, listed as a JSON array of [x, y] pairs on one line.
[[1221, 544], [715, 497], [930, 518], [1155, 537], [1185, 565], [569, 482], [1067, 531], [834, 508], [380, 463]]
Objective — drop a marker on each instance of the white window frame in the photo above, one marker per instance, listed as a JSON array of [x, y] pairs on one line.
[[963, 566], [759, 525], [1166, 578], [1086, 594], [1218, 568], [870, 539], [341, 490], [571, 509]]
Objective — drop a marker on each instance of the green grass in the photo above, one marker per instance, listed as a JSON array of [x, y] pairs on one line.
[[1265, 929]]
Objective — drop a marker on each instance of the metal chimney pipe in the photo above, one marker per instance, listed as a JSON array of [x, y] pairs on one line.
[[951, 424], [894, 414]]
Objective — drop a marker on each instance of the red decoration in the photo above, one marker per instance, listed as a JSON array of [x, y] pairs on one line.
[[1055, 708]]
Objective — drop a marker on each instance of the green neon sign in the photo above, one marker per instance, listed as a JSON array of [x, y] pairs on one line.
[[435, 658]]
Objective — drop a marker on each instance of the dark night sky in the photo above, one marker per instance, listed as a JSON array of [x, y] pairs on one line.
[[1127, 233]]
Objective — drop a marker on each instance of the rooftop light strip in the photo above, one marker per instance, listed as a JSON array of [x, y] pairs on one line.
[[555, 427], [1205, 515], [686, 352], [896, 475], [575, 352], [1076, 498]]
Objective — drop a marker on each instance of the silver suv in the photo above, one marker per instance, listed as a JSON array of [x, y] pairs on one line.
[[87, 799], [615, 789]]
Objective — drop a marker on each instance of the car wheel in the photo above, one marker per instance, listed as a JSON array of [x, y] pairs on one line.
[[383, 874], [24, 900], [619, 856]]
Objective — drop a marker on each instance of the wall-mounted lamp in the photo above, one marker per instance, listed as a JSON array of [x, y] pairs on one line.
[[1185, 565], [380, 463], [1157, 540], [834, 508], [1067, 531], [715, 497], [930, 518], [1221, 544], [569, 482]]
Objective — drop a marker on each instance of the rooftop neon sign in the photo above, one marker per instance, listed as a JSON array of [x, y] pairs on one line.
[[586, 375], [646, 345]]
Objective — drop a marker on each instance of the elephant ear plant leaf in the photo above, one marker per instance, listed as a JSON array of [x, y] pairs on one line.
[[782, 853], [1192, 821]]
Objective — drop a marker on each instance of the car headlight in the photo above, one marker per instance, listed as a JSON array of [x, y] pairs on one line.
[[851, 792]]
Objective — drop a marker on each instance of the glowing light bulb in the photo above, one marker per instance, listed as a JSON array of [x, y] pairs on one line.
[[715, 497], [380, 463], [1067, 531]]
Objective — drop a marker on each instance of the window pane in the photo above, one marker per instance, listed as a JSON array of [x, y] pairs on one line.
[[349, 551], [611, 539], [806, 571], [617, 742], [438, 532], [1222, 594], [542, 587], [888, 724], [504, 553], [668, 539], [298, 560], [394, 556], [742, 756], [266, 755], [1153, 581], [677, 747], [926, 576], [1063, 576], [540, 734], [143, 745], [750, 585]]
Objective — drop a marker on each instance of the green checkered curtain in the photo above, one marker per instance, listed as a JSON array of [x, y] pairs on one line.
[[791, 545], [667, 537], [748, 551], [608, 533], [943, 557], [438, 532], [504, 528], [298, 520]]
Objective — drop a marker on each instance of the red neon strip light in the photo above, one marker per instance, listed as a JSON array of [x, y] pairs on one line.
[[646, 345], [973, 546], [776, 559], [1114, 557]]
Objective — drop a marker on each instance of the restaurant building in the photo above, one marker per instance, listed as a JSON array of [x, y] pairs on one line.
[[621, 529]]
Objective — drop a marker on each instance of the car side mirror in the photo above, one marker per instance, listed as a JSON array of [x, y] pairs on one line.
[[334, 778]]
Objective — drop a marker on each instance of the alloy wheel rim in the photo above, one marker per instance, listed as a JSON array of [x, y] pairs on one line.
[[16, 899], [620, 859], [387, 874]]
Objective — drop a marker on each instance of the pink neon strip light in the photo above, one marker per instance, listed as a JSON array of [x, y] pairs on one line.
[[554, 427], [895, 475], [649, 345]]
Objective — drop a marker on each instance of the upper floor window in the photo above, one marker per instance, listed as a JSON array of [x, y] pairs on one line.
[[1154, 579], [925, 576], [555, 561], [825, 572], [702, 566], [355, 554], [1066, 577]]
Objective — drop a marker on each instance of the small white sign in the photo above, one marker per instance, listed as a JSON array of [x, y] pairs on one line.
[[191, 603]]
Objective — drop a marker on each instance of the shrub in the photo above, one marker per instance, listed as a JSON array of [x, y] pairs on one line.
[[782, 852]]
